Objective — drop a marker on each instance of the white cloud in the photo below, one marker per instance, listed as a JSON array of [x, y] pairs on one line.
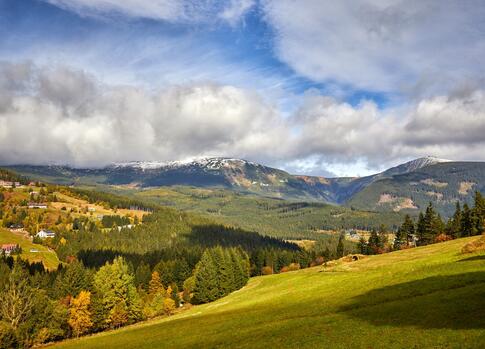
[[343, 135], [413, 46], [235, 10], [175, 11], [65, 116]]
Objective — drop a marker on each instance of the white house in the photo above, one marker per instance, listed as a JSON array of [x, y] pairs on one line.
[[37, 205], [43, 234]]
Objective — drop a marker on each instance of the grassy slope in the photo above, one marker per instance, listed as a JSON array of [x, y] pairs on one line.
[[46, 256], [425, 297]]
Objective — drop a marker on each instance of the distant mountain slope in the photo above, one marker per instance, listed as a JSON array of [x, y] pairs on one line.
[[395, 189], [443, 183]]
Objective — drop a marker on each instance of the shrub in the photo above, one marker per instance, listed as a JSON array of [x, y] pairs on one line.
[[474, 246], [8, 339], [168, 306], [267, 270]]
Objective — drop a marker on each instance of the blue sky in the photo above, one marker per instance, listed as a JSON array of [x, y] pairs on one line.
[[318, 87]]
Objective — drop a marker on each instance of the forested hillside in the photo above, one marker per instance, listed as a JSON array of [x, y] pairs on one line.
[[444, 184], [404, 188]]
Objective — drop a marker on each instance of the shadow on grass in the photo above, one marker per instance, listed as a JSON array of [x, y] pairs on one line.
[[451, 301], [474, 258]]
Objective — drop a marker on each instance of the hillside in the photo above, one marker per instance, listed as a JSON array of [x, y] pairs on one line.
[[270, 216], [444, 184], [30, 251], [236, 174], [403, 188], [424, 297]]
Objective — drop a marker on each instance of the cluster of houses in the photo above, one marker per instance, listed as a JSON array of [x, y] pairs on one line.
[[9, 248], [16, 228], [9, 184], [43, 234]]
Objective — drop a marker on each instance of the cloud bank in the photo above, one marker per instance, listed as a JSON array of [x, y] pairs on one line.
[[422, 47], [65, 116]]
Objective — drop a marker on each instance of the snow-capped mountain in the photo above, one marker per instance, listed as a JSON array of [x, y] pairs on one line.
[[407, 185]]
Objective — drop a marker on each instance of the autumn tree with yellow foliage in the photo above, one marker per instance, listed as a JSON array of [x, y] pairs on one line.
[[79, 314]]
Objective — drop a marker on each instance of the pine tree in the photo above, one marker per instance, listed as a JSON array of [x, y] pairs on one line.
[[478, 214], [374, 242], [453, 226], [340, 246], [142, 275], [206, 288], [467, 221], [399, 239], [421, 229], [407, 229], [75, 279], [362, 245]]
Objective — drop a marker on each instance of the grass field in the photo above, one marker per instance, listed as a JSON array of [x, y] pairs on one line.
[[427, 297], [43, 254]]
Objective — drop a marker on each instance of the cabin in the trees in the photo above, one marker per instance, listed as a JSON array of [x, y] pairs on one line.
[[128, 226], [9, 184], [16, 227], [37, 205], [44, 234], [9, 248]]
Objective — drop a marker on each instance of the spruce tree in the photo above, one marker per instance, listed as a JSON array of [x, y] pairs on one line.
[[421, 229], [407, 229], [340, 246], [453, 226], [399, 239], [206, 286], [467, 221]]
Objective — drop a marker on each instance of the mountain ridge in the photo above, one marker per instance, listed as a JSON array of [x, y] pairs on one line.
[[249, 177]]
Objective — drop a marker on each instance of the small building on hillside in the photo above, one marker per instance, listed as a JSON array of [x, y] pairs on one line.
[[128, 226], [9, 184], [9, 248], [412, 240], [16, 227], [37, 205], [44, 234]]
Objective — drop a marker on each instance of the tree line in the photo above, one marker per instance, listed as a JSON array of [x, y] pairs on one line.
[[430, 228]]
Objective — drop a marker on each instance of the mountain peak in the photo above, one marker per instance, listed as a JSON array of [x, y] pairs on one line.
[[204, 162], [412, 165]]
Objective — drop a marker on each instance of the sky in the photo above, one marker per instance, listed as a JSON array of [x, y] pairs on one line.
[[319, 87]]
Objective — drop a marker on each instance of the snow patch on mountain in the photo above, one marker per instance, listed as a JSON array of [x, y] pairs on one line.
[[211, 163]]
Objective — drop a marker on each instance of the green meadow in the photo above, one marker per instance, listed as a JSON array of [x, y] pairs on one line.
[[30, 251], [427, 297]]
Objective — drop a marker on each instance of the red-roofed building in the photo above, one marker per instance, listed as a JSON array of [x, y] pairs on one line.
[[9, 248]]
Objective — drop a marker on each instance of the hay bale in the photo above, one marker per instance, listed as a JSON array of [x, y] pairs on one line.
[[474, 246]]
